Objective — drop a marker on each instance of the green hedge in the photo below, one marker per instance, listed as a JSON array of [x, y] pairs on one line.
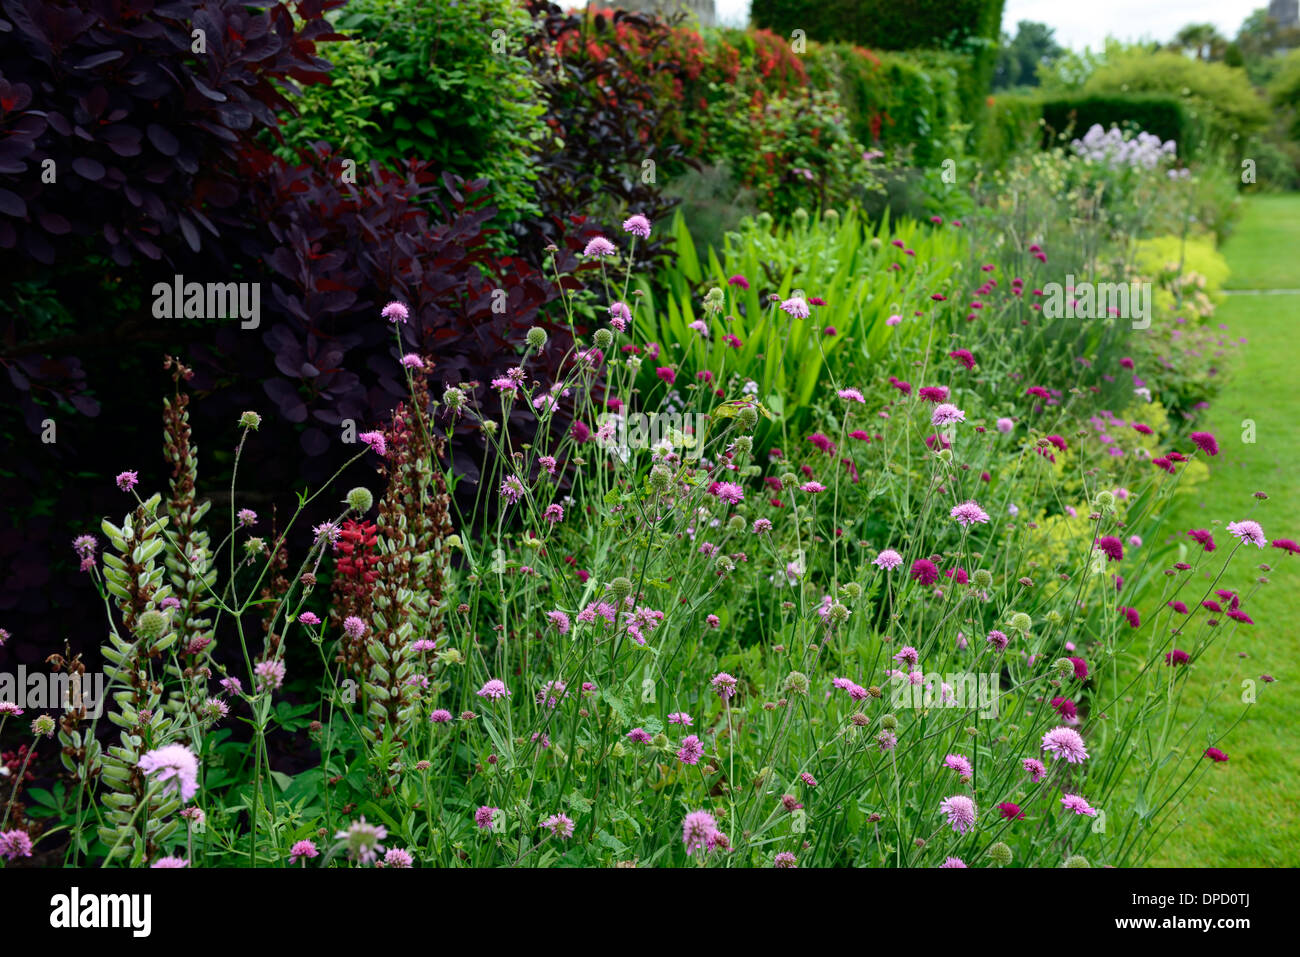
[[1165, 116], [882, 24], [1012, 125]]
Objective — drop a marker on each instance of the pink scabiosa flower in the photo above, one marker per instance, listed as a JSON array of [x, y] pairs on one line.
[[1005, 425], [303, 850], [1065, 743], [952, 862], [15, 844], [560, 825], [560, 620], [998, 640], [851, 395], [554, 513], [512, 489], [1206, 442], [361, 840], [960, 811], [127, 480], [640, 736], [412, 361], [483, 817], [738, 280], [1177, 657], [1248, 531], [784, 860], [1131, 616], [796, 307], [354, 627], [598, 246], [326, 533], [762, 526], [440, 716], [698, 830], [667, 374], [960, 764], [1202, 538], [395, 312], [680, 717], [1287, 545], [968, 513], [813, 488], [1034, 768], [946, 413], [376, 442], [1078, 804], [888, 560], [729, 492], [494, 689], [175, 763], [724, 684], [691, 751], [399, 858], [269, 674], [637, 225], [933, 393], [908, 655], [308, 618], [893, 320], [620, 316], [1215, 755], [170, 862]]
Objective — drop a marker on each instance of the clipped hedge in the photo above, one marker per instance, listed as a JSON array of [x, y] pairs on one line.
[[1165, 116], [882, 24]]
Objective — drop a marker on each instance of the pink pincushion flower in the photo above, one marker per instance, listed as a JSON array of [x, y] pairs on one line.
[[851, 395], [933, 393], [637, 225], [946, 413], [888, 559], [494, 689], [960, 764], [512, 489], [376, 442], [680, 717], [302, 850], [361, 839], [1248, 530], [639, 735], [395, 312], [724, 684], [1078, 804], [1065, 743], [175, 763], [599, 246], [969, 513], [812, 487], [412, 361], [270, 674], [560, 825], [960, 811], [691, 751], [15, 844], [170, 862], [483, 817], [698, 830], [127, 480], [1206, 442], [796, 307], [1035, 768], [730, 493]]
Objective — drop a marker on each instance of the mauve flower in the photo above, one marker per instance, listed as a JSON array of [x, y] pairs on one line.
[[560, 825], [599, 246], [493, 689], [1005, 425], [888, 559], [362, 840], [1248, 530], [1202, 537], [483, 817], [924, 571], [851, 395], [691, 750], [797, 307], [173, 762], [637, 225], [127, 480], [1065, 743], [395, 312], [1035, 768], [1206, 442], [1078, 804], [968, 513], [302, 850], [960, 811], [698, 830], [15, 844], [945, 413]]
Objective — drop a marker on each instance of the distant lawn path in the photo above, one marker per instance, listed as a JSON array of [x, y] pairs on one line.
[[1246, 813]]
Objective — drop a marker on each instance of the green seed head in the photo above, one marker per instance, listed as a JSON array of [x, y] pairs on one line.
[[603, 339], [536, 337], [1000, 854], [747, 417], [796, 682], [1021, 622], [1063, 667], [744, 445], [724, 564], [1077, 860], [621, 587], [838, 613], [360, 499], [1106, 501], [250, 420], [982, 578], [889, 722], [152, 624], [660, 740]]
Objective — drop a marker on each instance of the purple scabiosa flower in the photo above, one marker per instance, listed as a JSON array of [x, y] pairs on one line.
[[998, 640], [1177, 606], [361, 839], [953, 862], [1065, 743], [724, 684], [327, 532], [440, 716], [303, 850], [269, 674], [908, 655], [1249, 531], [808, 779], [1111, 547], [1065, 708], [785, 860], [412, 361], [15, 844], [680, 717], [560, 620], [1131, 616], [640, 736], [960, 764], [1215, 755], [246, 517], [946, 412], [691, 750], [699, 830], [1177, 657], [933, 393], [493, 689], [9, 710], [762, 526], [1078, 804], [560, 825], [127, 480], [813, 488], [1202, 538], [395, 312], [1035, 768], [637, 225], [886, 741], [399, 858], [512, 489], [1080, 667], [888, 560], [968, 513], [1287, 545], [924, 571], [797, 307], [375, 440], [960, 811], [1011, 811], [963, 356], [1206, 442], [738, 280], [620, 316], [598, 246], [483, 817], [354, 627], [170, 862], [231, 685], [554, 513], [851, 395], [423, 645], [175, 763], [308, 618], [1005, 425]]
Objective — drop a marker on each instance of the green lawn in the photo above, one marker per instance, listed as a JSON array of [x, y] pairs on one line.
[[1245, 813]]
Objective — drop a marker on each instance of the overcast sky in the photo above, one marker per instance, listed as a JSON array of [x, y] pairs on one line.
[[1080, 23]]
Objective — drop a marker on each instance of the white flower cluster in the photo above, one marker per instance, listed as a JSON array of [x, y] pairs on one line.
[[1145, 150]]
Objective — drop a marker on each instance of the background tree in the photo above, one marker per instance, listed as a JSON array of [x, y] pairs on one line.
[[1034, 45]]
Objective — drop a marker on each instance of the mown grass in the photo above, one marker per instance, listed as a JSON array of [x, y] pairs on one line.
[[1244, 813]]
